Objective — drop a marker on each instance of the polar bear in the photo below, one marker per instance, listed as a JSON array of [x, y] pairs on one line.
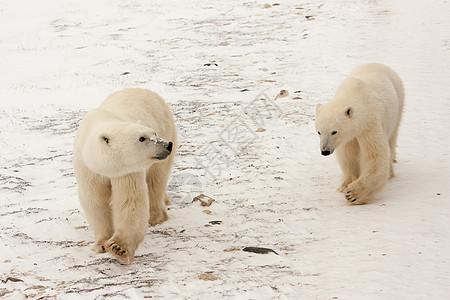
[[123, 152], [361, 123]]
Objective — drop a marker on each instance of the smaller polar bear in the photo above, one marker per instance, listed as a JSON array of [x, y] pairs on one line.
[[361, 123], [123, 152]]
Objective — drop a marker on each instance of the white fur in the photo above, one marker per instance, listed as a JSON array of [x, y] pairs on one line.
[[361, 123], [121, 166]]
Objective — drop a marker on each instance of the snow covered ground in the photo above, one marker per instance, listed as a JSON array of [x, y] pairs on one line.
[[220, 65]]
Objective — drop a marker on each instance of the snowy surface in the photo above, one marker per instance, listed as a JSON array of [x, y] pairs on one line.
[[220, 66]]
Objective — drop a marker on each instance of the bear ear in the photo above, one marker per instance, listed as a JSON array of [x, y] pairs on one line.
[[318, 106], [349, 112]]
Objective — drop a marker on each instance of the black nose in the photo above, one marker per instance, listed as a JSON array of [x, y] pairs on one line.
[[169, 147], [325, 153]]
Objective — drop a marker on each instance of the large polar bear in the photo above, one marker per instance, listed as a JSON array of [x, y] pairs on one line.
[[123, 152], [361, 123]]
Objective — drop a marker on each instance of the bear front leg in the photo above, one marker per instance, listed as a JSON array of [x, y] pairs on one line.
[[348, 158], [157, 177], [95, 194], [130, 209], [375, 158]]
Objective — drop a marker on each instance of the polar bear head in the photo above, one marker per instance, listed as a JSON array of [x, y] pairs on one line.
[[345, 117], [334, 126], [121, 148]]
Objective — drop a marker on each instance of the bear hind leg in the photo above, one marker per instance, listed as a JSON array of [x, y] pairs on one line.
[[393, 146], [167, 200], [157, 184]]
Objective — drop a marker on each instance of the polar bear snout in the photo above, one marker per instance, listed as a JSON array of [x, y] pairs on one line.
[[169, 147], [326, 152], [165, 148], [326, 148]]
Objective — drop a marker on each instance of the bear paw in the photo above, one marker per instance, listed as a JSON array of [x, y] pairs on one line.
[[99, 247], [120, 252], [342, 187], [167, 200], [158, 218], [346, 182], [351, 198], [356, 194]]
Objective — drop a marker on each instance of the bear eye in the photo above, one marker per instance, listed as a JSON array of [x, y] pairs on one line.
[[318, 132], [142, 139], [334, 132], [106, 139]]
